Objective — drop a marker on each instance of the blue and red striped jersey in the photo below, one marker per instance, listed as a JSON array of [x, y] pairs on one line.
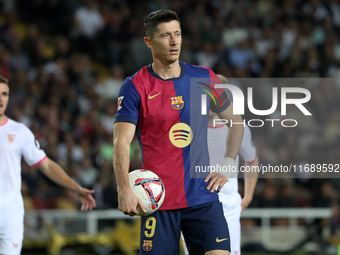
[[171, 129]]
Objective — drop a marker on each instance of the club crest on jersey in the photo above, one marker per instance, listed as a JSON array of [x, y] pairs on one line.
[[120, 99], [147, 245], [10, 138], [177, 102]]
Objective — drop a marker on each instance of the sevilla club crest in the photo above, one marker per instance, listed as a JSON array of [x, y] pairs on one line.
[[10, 138], [177, 102]]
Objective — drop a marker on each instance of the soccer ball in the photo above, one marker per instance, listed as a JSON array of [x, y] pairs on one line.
[[149, 188]]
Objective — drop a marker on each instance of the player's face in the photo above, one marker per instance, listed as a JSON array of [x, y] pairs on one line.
[[4, 96], [166, 43]]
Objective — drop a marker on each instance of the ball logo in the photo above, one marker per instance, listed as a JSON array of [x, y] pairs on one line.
[[146, 182], [180, 135]]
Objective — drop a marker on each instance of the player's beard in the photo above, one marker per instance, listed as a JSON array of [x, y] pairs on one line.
[[173, 58], [167, 59]]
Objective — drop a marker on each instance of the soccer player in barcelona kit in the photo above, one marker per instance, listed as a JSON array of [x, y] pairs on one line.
[[154, 103], [17, 141], [231, 200]]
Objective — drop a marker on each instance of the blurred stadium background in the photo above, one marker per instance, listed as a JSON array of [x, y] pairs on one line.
[[66, 61]]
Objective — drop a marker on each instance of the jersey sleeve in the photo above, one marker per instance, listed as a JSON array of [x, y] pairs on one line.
[[32, 153], [247, 150], [221, 99], [128, 105]]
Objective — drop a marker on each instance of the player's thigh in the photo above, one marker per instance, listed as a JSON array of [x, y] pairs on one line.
[[205, 228], [160, 233], [235, 234], [11, 232]]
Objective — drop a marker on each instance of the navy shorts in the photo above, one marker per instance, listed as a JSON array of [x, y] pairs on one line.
[[204, 228]]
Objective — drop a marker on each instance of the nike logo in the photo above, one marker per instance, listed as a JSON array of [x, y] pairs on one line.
[[150, 97], [220, 240], [16, 245]]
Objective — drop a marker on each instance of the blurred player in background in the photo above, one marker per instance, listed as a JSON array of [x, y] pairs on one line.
[[151, 103], [231, 200], [17, 141]]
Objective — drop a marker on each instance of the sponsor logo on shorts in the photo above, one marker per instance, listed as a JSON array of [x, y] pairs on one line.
[[220, 240], [147, 245], [16, 245], [236, 252]]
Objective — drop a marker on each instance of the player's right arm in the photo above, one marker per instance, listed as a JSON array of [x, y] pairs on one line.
[[123, 132], [123, 135], [36, 157]]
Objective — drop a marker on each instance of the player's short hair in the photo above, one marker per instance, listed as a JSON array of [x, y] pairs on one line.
[[222, 78], [3, 80], [157, 17]]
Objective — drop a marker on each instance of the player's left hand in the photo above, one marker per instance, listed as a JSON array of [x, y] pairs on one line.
[[216, 179], [86, 198], [245, 202]]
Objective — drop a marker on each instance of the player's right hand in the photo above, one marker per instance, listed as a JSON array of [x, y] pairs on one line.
[[129, 203]]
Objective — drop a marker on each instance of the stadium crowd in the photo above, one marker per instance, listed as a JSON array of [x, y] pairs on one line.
[[66, 61]]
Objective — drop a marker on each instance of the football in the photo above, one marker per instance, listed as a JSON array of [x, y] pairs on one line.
[[149, 188]]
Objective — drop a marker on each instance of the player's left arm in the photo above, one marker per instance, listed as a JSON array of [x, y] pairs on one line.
[[54, 172], [235, 131], [233, 143]]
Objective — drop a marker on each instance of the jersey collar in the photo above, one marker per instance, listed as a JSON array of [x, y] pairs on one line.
[[172, 79], [5, 122]]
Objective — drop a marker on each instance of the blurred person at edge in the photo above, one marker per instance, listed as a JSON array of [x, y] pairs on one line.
[[18, 141]]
